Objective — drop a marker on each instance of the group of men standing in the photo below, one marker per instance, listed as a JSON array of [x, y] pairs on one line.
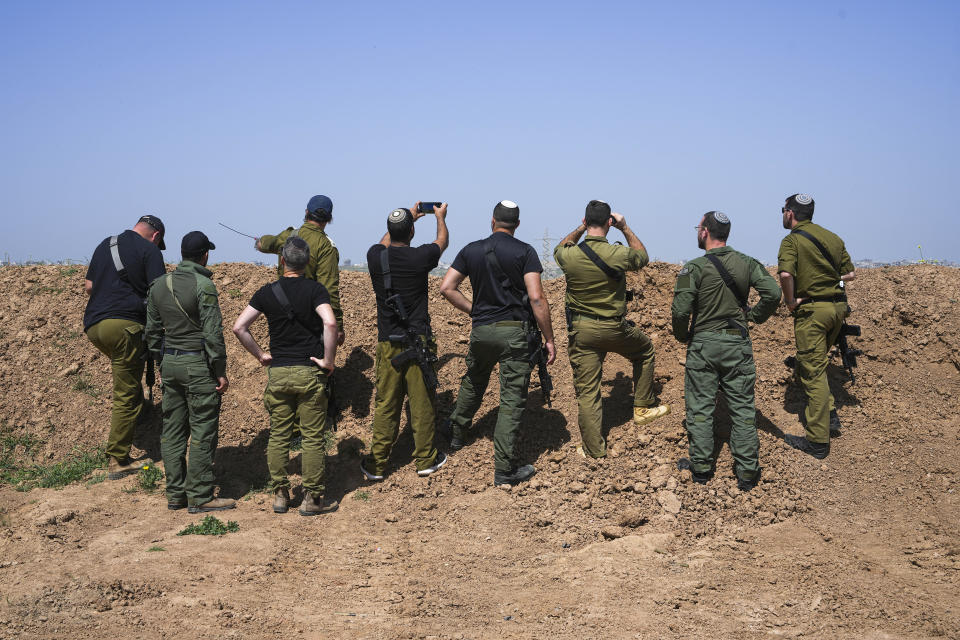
[[136, 309]]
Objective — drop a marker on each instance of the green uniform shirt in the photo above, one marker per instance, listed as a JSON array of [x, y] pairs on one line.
[[324, 260], [169, 328], [700, 290], [589, 290], [814, 274]]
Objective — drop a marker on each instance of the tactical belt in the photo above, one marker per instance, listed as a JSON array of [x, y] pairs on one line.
[[596, 317], [840, 297], [508, 323], [180, 352]]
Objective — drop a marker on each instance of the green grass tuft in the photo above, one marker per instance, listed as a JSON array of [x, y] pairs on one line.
[[83, 384], [361, 495], [25, 476], [156, 548], [148, 479], [210, 526]]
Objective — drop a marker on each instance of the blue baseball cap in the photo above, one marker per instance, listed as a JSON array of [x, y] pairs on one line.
[[320, 206]]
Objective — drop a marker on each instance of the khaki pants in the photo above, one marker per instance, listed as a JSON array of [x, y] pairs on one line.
[[292, 393], [122, 342], [816, 326]]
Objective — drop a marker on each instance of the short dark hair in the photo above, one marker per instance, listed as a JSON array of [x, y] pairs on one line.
[[400, 226], [320, 215], [717, 225], [802, 206], [193, 257], [597, 214], [296, 253]]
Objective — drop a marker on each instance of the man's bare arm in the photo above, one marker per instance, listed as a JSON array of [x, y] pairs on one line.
[[632, 240], [443, 235], [241, 329], [88, 286], [450, 289], [574, 235], [787, 284], [541, 312]]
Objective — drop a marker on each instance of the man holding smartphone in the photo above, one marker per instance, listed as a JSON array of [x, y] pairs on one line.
[[596, 320], [406, 350]]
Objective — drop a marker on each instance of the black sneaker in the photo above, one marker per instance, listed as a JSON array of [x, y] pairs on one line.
[[437, 463], [835, 424], [516, 476], [816, 449], [747, 485]]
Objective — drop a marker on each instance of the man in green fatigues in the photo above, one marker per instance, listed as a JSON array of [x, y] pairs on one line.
[[119, 275], [713, 290], [597, 306], [324, 263], [399, 274], [185, 335], [507, 300], [302, 326], [813, 265]]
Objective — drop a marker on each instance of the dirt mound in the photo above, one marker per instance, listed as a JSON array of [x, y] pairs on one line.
[[899, 447]]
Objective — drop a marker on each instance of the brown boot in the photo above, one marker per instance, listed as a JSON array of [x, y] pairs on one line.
[[117, 469], [314, 504], [217, 504], [280, 499]]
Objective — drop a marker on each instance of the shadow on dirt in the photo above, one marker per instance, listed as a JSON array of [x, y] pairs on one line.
[[354, 389]]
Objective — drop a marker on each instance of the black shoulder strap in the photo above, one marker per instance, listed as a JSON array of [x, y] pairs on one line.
[[176, 300], [385, 267], [287, 307], [612, 273], [115, 254], [819, 245], [729, 281], [505, 281]]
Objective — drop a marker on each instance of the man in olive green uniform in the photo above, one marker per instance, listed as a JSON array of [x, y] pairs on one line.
[[813, 265], [597, 306], [185, 335], [119, 275], [324, 264], [399, 272], [713, 290]]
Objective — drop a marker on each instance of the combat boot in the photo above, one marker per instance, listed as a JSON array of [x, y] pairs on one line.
[[280, 499], [314, 504], [818, 450], [217, 504], [516, 476], [835, 424], [646, 415], [117, 469], [445, 429]]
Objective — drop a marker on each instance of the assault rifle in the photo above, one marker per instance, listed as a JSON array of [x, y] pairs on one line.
[[417, 348], [333, 411], [538, 357]]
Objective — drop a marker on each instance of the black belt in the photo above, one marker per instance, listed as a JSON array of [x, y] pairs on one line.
[[508, 323], [730, 332], [179, 352], [592, 316], [840, 297]]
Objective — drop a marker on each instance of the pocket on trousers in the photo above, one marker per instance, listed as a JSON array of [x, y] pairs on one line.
[[695, 359]]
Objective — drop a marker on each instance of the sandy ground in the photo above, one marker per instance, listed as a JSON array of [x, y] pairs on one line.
[[861, 545]]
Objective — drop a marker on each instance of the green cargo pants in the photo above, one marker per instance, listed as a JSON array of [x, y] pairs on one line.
[[122, 342], [191, 410], [392, 387], [721, 361], [589, 342], [292, 393], [816, 326], [504, 342]]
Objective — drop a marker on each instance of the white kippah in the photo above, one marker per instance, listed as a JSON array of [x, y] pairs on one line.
[[803, 198], [721, 217], [509, 203], [397, 215]]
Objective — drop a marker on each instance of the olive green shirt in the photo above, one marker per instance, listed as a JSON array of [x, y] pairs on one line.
[[701, 291], [324, 264], [199, 329], [589, 289], [814, 275]]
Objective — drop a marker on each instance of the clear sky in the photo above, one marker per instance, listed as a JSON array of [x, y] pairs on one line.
[[201, 112]]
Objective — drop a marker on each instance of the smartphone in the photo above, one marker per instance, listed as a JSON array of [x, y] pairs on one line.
[[428, 207]]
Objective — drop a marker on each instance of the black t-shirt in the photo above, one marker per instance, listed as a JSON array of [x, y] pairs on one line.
[[409, 268], [122, 298], [491, 301], [292, 342]]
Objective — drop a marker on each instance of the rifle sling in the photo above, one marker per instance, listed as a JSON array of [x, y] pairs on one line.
[[288, 309], [613, 274], [506, 281], [821, 248], [730, 282], [169, 283], [385, 267], [115, 254]]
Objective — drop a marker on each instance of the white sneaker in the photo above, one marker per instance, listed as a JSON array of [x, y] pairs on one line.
[[439, 462]]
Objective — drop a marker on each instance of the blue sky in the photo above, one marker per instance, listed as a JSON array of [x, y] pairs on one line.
[[239, 112]]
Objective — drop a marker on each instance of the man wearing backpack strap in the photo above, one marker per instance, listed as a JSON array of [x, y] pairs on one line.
[[597, 323], [185, 335], [813, 265], [713, 291]]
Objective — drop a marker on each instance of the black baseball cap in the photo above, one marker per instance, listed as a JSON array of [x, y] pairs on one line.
[[195, 242], [157, 224]]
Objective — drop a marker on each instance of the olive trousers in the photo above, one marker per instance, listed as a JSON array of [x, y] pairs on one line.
[[505, 343], [589, 342], [293, 393], [720, 361], [816, 326], [122, 342]]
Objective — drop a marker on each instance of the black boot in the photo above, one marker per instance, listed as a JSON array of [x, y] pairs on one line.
[[699, 477], [516, 476], [835, 424], [816, 449]]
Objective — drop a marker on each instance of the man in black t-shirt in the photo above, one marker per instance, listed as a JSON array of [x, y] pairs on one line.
[[120, 272], [399, 276], [302, 327], [507, 299]]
